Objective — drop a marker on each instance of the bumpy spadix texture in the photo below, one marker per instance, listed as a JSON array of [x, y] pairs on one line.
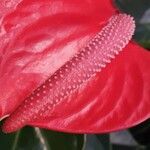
[[84, 65]]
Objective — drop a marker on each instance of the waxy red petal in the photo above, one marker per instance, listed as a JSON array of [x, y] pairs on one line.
[[37, 37], [40, 36], [119, 97]]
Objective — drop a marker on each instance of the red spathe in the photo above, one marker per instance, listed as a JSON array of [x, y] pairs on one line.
[[37, 37]]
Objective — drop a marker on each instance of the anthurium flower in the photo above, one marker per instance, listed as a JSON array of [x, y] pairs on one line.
[[40, 39]]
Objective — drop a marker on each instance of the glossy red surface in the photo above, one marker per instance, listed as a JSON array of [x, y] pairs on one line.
[[38, 37]]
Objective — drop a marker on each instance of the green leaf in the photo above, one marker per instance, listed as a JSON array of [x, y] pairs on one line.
[[148, 147], [140, 10], [141, 133], [123, 147], [98, 142], [104, 139], [38, 139]]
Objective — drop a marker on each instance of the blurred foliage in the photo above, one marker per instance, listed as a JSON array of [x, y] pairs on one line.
[[39, 139], [142, 133], [98, 142], [140, 10]]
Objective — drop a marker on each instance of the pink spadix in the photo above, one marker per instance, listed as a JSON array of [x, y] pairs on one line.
[[90, 60]]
